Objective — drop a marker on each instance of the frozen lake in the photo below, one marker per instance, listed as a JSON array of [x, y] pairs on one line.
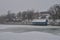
[[29, 32]]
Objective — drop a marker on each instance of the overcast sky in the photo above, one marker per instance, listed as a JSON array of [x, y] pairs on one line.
[[21, 5]]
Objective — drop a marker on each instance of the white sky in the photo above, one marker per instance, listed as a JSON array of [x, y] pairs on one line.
[[21, 5]]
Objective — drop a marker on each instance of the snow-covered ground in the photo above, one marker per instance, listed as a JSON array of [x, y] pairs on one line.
[[28, 32], [28, 36]]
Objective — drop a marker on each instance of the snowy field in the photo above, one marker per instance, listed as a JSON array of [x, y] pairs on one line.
[[29, 32]]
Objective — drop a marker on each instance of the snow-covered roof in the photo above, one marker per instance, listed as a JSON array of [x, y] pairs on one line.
[[39, 20]]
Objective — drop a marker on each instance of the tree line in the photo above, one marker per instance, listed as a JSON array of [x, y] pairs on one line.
[[19, 17], [30, 15]]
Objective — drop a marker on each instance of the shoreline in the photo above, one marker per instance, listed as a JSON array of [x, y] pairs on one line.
[[28, 26]]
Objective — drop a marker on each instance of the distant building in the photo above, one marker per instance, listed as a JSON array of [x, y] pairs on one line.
[[40, 22], [44, 15]]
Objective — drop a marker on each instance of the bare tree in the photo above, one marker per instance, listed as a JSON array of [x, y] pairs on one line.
[[10, 16], [30, 14], [19, 14], [55, 11]]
